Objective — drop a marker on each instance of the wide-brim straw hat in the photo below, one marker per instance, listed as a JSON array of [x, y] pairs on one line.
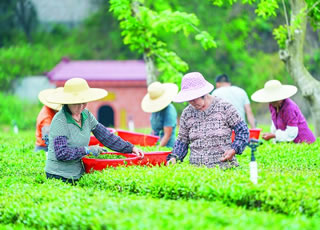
[[193, 86], [76, 91], [159, 96], [43, 95], [273, 91]]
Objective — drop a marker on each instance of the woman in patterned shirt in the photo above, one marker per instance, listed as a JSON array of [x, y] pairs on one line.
[[71, 128], [206, 126]]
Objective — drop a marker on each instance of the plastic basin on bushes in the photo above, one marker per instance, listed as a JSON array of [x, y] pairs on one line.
[[91, 164], [138, 138], [253, 133], [95, 141], [154, 158]]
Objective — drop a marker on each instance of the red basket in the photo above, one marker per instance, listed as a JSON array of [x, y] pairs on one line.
[[253, 133], [154, 158], [138, 138], [95, 141], [91, 164]]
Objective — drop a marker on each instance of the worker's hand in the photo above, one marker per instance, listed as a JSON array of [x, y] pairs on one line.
[[95, 150], [138, 152], [172, 161], [228, 155], [268, 136]]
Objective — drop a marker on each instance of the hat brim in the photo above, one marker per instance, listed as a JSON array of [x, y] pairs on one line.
[[264, 96], [150, 106], [43, 95], [188, 95], [65, 98]]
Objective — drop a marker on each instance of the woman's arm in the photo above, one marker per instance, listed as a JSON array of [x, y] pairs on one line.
[[166, 136], [180, 148], [241, 137], [289, 134], [65, 153], [169, 121], [110, 140]]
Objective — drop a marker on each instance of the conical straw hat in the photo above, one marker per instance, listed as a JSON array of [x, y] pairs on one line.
[[76, 91], [43, 99], [159, 96], [274, 91]]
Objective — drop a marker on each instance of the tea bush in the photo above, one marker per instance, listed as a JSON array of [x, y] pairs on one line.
[[175, 197]]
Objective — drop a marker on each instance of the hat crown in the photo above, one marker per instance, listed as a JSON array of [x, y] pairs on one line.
[[155, 90], [193, 80], [75, 85], [272, 85]]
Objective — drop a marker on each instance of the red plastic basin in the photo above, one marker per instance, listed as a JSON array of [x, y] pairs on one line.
[[253, 133], [138, 138], [95, 141], [91, 164], [154, 158]]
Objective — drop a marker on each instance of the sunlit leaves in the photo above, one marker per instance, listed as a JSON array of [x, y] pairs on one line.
[[281, 35], [206, 40], [142, 28], [221, 2], [267, 8]]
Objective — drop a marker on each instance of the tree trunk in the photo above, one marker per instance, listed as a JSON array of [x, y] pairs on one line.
[[293, 58], [150, 66], [151, 69]]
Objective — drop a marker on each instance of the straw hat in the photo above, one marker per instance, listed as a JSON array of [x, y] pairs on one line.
[[43, 99], [158, 97], [193, 86], [75, 91], [274, 91]]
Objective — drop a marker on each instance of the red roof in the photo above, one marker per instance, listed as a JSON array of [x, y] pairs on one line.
[[99, 70]]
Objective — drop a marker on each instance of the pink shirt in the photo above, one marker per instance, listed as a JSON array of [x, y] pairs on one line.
[[290, 115]]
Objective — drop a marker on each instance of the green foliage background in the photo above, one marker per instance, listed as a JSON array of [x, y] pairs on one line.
[[21, 112], [246, 50], [239, 36]]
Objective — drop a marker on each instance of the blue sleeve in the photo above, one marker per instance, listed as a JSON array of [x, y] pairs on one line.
[[170, 117]]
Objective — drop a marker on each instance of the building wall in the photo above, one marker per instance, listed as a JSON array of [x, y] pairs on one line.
[[125, 98], [28, 88]]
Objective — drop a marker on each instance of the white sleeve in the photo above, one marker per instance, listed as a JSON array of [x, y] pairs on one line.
[[289, 134], [272, 128]]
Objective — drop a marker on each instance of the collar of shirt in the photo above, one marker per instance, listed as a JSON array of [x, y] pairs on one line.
[[208, 111], [70, 120], [285, 104]]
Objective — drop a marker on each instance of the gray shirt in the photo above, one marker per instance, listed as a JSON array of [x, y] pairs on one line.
[[234, 95]]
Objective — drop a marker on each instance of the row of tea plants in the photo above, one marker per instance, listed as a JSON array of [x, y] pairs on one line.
[[287, 195]]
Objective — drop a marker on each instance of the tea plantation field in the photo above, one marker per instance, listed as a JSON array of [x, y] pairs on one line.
[[287, 195]]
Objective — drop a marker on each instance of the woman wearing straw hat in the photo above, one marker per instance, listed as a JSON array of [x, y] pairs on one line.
[[288, 123], [44, 119], [206, 126], [164, 116], [71, 128]]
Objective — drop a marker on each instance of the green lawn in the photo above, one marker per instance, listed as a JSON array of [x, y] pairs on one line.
[[176, 197]]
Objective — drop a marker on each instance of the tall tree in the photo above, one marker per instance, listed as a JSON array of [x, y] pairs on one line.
[[291, 39]]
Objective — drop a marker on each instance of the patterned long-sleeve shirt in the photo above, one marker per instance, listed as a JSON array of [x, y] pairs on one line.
[[208, 134]]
